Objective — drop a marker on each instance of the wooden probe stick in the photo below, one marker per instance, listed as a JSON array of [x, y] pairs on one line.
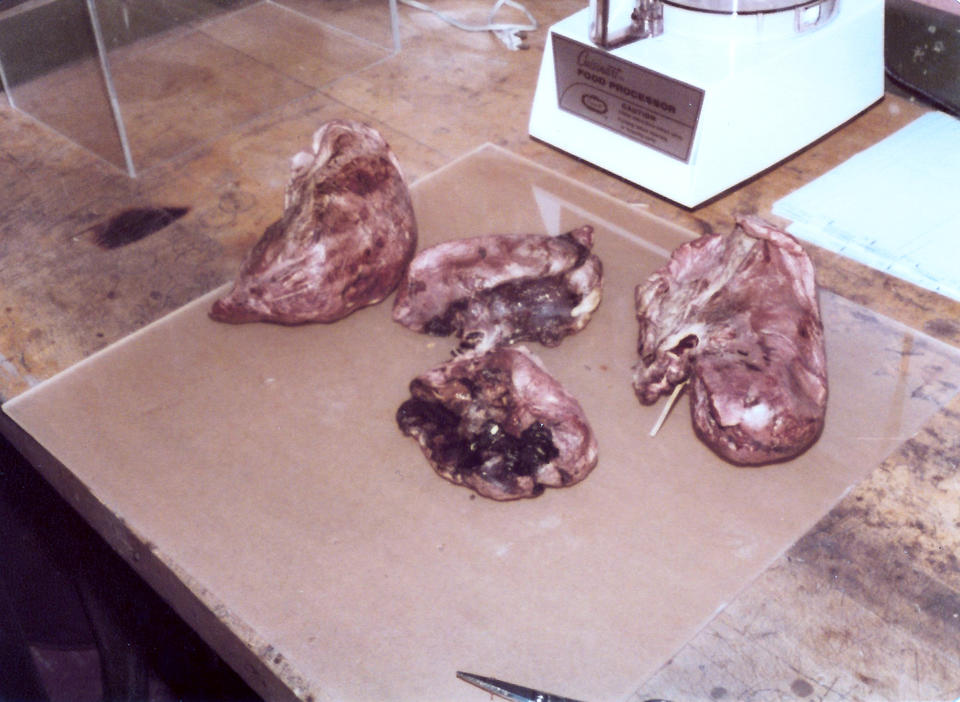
[[677, 389]]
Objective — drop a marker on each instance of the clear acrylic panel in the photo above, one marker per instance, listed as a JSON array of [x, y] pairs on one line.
[[123, 22], [52, 70], [139, 82], [362, 19]]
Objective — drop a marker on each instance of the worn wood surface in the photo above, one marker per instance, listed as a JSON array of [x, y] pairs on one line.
[[865, 606]]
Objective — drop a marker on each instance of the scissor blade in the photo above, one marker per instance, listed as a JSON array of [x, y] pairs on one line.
[[509, 691]]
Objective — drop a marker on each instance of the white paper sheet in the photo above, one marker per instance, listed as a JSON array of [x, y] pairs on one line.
[[894, 206]]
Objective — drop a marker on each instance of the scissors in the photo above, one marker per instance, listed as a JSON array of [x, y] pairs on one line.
[[509, 691]]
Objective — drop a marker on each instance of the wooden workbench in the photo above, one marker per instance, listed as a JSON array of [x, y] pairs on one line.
[[865, 606]]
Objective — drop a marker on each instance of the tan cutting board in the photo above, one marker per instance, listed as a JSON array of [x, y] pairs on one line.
[[263, 465]]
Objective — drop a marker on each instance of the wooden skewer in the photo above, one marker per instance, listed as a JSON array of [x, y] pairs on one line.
[[677, 389]]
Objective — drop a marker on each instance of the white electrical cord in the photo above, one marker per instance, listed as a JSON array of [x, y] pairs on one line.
[[511, 34]]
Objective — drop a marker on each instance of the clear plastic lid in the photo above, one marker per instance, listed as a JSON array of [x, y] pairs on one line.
[[740, 6]]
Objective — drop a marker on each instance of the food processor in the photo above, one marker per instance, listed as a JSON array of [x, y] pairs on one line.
[[688, 98]]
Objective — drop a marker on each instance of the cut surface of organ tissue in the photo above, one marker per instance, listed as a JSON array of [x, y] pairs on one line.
[[500, 424], [502, 288]]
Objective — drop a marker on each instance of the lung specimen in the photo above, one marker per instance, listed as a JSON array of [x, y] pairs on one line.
[[347, 233], [498, 289], [500, 424], [737, 315]]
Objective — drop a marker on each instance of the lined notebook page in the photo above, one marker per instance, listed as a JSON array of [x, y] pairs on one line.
[[894, 206]]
